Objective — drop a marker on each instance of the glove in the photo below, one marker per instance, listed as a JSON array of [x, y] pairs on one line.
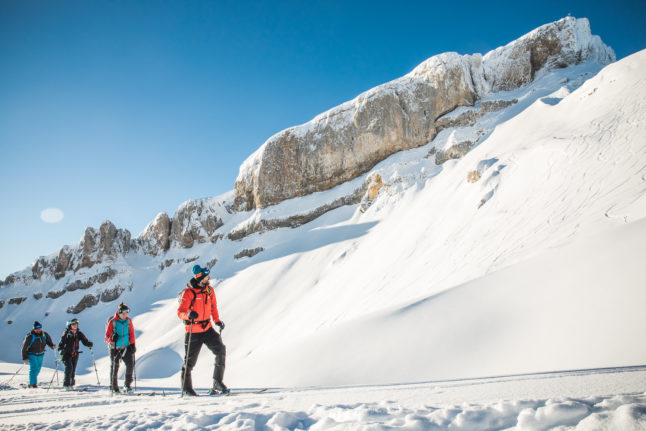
[[90, 344], [132, 348], [221, 325], [114, 337], [193, 315]]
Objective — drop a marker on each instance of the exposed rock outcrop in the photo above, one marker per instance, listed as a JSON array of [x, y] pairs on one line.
[[296, 220], [87, 302], [374, 184], [109, 295], [155, 239], [350, 139], [248, 252], [105, 244], [53, 294], [196, 221], [17, 301], [470, 116], [91, 281], [455, 152]]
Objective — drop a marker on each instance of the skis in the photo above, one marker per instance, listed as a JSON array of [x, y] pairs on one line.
[[136, 394], [242, 392], [86, 389], [26, 386]]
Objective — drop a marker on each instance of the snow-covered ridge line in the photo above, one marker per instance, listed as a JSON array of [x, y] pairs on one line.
[[346, 141]]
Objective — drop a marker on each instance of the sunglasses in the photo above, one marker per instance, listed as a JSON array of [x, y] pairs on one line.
[[124, 312]]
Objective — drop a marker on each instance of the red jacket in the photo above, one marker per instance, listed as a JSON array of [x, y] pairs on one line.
[[109, 330], [204, 303]]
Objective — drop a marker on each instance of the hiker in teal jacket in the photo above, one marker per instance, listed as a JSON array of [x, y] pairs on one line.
[[120, 335], [33, 350]]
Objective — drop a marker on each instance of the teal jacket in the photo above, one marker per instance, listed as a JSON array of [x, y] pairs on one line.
[[124, 329]]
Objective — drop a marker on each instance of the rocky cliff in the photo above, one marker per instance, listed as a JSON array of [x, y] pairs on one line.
[[350, 139]]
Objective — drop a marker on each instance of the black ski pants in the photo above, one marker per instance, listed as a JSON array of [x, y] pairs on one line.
[[116, 356], [70, 369], [213, 341]]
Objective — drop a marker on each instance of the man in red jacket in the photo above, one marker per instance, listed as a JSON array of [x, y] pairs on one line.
[[198, 309]]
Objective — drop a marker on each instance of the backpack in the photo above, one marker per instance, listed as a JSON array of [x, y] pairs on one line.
[[208, 291], [33, 338], [180, 295]]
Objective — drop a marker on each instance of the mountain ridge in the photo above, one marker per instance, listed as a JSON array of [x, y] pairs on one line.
[[569, 41]]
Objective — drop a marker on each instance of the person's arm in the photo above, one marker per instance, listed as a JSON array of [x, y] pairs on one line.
[[61, 343], [131, 331], [182, 310], [49, 342], [84, 340], [25, 347], [109, 330], [214, 308]]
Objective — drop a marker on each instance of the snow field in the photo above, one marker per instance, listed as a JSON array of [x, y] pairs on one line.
[[582, 400]]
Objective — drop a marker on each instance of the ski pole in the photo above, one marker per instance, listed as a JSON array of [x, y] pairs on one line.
[[55, 374], [190, 333], [14, 375], [134, 368], [95, 370]]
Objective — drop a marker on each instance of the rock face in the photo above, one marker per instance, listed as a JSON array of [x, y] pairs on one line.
[[106, 243], [195, 221], [350, 139], [155, 238]]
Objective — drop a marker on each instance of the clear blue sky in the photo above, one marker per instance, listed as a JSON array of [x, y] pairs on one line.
[[120, 110]]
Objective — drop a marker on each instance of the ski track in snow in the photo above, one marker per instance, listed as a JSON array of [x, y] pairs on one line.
[[567, 400]]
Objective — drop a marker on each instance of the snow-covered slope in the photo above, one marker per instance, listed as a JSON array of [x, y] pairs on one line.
[[549, 243], [533, 267]]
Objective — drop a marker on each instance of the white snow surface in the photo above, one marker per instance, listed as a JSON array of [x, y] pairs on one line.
[[583, 400], [397, 317]]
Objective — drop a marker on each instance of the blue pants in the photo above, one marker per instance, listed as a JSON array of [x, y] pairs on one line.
[[35, 364]]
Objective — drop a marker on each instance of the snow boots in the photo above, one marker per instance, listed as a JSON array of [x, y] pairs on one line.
[[218, 388], [187, 384]]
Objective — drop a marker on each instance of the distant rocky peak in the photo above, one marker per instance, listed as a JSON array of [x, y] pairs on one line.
[[107, 243], [155, 238]]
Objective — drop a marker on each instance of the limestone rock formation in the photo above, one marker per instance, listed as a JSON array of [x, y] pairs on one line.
[[196, 221], [106, 243], [97, 246], [350, 139], [155, 238]]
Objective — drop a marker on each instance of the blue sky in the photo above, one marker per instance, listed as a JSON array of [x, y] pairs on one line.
[[120, 110]]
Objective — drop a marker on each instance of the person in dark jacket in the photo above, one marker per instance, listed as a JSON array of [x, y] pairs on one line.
[[33, 351], [120, 335], [68, 348], [198, 309]]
